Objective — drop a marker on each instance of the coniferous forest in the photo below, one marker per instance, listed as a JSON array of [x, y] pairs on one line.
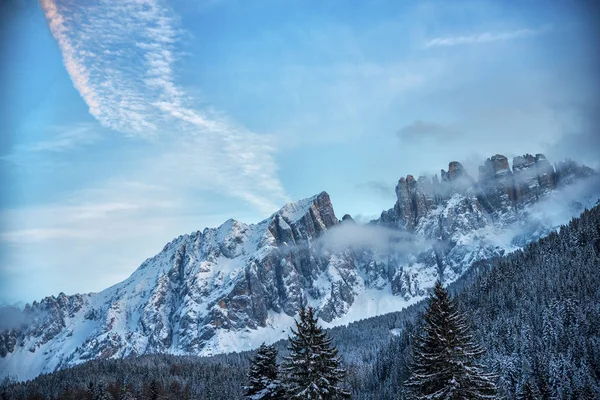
[[530, 323]]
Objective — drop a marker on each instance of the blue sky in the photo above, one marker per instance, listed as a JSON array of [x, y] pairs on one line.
[[127, 123]]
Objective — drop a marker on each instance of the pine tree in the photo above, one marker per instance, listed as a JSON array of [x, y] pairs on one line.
[[263, 382], [89, 391], [313, 368], [444, 354], [527, 392], [154, 390], [127, 395]]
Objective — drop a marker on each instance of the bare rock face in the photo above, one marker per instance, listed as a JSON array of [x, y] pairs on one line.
[[546, 174], [8, 340], [455, 170], [568, 172], [413, 203], [418, 198], [533, 177], [347, 218], [497, 183]]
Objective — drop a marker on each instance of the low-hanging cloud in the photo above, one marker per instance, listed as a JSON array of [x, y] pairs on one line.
[[582, 138], [14, 318], [349, 235], [552, 211]]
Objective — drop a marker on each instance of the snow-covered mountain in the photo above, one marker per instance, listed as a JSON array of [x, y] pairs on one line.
[[232, 287]]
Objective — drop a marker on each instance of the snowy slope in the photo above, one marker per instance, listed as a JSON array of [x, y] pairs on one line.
[[231, 288]]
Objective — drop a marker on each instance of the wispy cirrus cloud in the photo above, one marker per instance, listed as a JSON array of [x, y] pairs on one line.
[[58, 141], [484, 37], [122, 56], [67, 138], [26, 236], [172, 170]]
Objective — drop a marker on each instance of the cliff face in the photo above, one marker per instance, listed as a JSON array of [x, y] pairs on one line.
[[235, 286], [499, 191]]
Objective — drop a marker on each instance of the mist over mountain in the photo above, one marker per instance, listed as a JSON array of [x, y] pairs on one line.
[[232, 287]]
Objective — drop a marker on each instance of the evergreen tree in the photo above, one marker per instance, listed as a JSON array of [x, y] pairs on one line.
[[263, 382], [154, 390], [89, 391], [443, 365], [313, 368], [527, 392], [126, 395]]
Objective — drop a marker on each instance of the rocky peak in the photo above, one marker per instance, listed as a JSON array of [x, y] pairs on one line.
[[347, 218], [523, 163], [568, 171], [499, 190], [304, 219], [415, 199], [533, 177], [455, 171], [496, 182], [494, 167]]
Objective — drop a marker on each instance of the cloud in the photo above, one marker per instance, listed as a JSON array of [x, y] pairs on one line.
[[582, 139], [485, 37], [382, 189], [66, 138], [122, 57], [94, 238], [422, 130], [12, 317], [78, 136], [38, 235], [373, 237], [61, 139]]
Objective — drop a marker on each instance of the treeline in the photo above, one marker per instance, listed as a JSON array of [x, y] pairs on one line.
[[169, 377], [536, 312]]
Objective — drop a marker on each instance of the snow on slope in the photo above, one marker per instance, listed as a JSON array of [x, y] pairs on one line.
[[231, 288]]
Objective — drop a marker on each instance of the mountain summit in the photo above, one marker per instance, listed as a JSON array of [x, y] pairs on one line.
[[232, 287]]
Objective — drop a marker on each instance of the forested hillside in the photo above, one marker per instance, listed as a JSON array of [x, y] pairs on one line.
[[536, 311]]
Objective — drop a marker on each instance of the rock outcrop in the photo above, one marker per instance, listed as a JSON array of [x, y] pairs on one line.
[[499, 191], [533, 177]]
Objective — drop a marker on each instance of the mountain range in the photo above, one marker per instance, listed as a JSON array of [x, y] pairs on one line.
[[232, 287]]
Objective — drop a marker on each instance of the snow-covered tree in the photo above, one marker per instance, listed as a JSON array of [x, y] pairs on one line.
[[444, 355], [263, 381], [313, 369]]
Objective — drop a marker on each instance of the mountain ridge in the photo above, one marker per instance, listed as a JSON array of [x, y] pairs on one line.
[[234, 286], [562, 364]]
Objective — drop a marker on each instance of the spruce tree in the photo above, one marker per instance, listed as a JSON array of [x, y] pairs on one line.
[[154, 390], [527, 392], [89, 391], [313, 369], [263, 382], [443, 365]]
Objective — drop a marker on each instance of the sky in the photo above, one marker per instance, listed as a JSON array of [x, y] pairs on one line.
[[126, 123]]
